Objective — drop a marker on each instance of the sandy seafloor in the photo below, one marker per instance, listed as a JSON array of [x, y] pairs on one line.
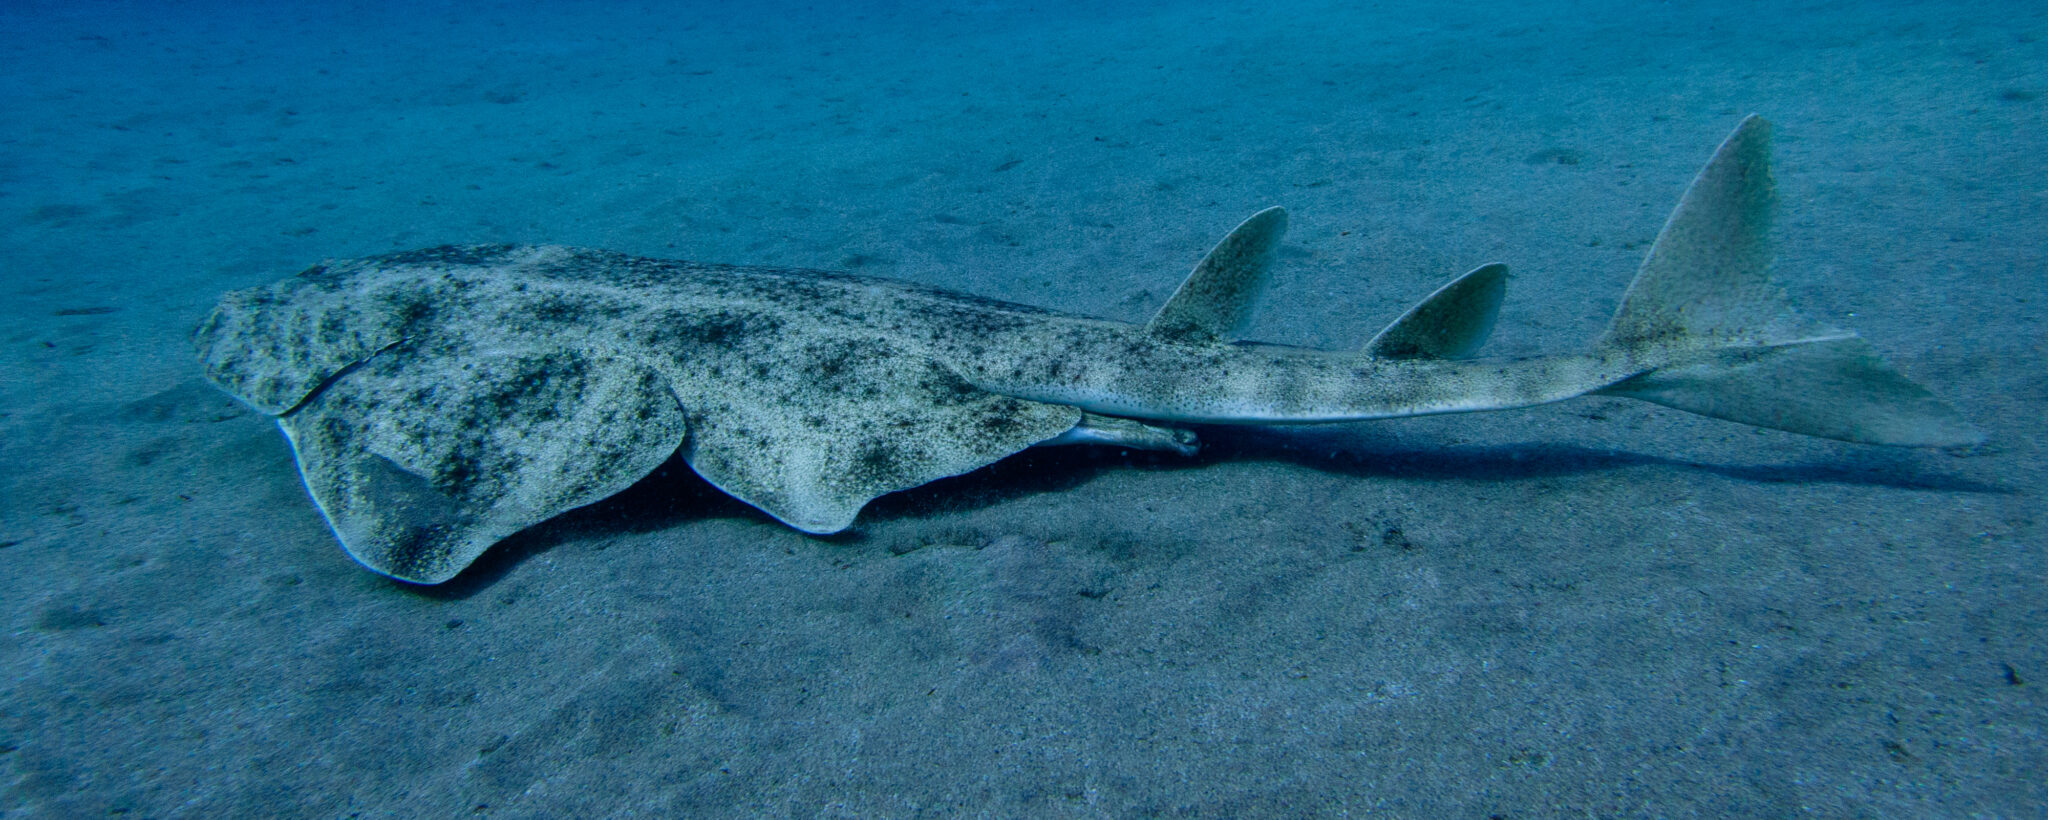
[[1598, 608]]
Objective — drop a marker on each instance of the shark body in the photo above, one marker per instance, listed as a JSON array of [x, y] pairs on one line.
[[440, 400]]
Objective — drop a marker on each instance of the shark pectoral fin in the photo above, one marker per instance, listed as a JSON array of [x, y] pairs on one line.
[[1217, 297], [836, 423], [1454, 321], [421, 462], [274, 345]]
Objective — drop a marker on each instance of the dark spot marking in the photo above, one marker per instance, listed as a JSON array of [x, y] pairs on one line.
[[457, 472], [409, 309], [877, 462], [559, 309], [449, 256]]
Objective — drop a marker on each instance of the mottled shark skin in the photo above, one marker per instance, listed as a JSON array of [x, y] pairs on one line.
[[440, 400]]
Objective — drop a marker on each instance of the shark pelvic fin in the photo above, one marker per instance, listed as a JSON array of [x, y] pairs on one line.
[[1217, 297], [1453, 322]]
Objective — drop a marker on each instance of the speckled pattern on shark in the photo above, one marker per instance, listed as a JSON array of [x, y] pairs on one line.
[[440, 400]]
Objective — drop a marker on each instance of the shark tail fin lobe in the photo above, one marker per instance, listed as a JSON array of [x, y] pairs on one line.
[[1836, 388], [1721, 339], [1706, 281]]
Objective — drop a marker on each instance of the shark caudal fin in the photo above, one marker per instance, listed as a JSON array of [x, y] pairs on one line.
[[1722, 340]]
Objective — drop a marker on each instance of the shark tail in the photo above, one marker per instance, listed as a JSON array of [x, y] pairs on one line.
[[1717, 337]]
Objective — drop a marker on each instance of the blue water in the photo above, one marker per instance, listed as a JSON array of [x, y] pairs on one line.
[[1595, 608]]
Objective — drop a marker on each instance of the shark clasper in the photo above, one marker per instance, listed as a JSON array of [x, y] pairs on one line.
[[443, 399]]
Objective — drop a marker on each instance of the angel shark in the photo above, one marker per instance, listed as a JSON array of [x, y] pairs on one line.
[[440, 400]]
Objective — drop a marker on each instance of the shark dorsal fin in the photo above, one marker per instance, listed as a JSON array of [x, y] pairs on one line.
[[1454, 321], [1218, 295]]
